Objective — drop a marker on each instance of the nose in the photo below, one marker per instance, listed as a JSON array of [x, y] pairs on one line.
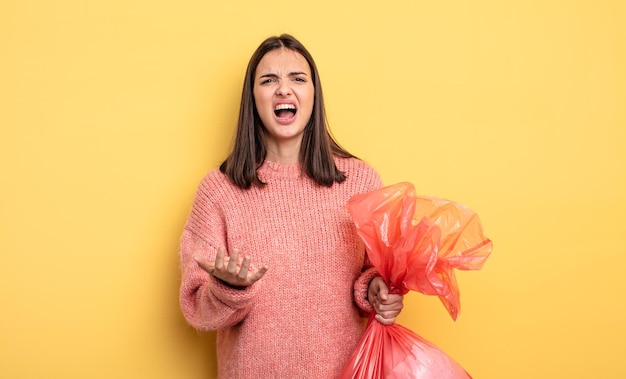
[[283, 88]]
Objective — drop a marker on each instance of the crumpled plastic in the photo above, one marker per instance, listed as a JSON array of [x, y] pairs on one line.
[[415, 243]]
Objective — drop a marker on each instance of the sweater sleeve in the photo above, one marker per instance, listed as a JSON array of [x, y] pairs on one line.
[[361, 285], [205, 301]]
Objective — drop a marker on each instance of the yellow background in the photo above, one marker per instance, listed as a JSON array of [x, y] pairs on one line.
[[112, 111]]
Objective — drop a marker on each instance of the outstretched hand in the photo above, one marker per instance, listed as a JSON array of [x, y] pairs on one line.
[[386, 305], [233, 269]]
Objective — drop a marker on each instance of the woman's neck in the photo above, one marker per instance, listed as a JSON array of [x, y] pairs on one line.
[[285, 153]]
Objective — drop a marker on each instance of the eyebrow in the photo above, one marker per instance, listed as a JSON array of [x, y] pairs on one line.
[[295, 73]]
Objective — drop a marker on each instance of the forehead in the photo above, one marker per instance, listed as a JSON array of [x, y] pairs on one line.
[[282, 61]]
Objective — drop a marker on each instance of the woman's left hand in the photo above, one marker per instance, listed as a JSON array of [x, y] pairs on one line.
[[386, 305]]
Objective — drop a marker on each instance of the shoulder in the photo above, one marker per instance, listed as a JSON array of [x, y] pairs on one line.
[[215, 178], [215, 187], [206, 216], [359, 172], [214, 192]]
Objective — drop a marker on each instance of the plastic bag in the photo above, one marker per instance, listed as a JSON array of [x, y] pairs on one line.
[[415, 243]]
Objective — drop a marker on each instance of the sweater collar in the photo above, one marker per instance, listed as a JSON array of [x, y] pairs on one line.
[[274, 170]]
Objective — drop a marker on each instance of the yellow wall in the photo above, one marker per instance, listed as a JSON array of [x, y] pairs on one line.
[[112, 111]]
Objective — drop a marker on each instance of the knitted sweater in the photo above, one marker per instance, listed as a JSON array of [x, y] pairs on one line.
[[303, 318]]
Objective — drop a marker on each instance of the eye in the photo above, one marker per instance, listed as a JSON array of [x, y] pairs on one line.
[[266, 81], [299, 79]]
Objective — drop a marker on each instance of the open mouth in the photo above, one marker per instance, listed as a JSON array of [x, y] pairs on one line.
[[285, 111]]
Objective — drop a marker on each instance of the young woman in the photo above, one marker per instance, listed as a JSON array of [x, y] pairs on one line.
[[269, 256]]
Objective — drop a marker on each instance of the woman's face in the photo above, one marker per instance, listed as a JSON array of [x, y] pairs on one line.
[[284, 95]]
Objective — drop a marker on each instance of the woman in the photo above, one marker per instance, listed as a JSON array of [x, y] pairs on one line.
[[269, 256]]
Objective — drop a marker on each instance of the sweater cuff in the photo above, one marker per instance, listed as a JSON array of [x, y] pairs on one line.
[[236, 298], [361, 286]]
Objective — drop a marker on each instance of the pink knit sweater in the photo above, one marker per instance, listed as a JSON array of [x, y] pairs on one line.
[[303, 319]]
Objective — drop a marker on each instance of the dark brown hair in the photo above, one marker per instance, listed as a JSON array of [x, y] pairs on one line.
[[249, 151]]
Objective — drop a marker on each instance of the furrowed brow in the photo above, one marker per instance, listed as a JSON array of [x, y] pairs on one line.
[[268, 76], [275, 76]]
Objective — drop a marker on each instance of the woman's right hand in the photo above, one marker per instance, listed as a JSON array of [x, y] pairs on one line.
[[234, 270]]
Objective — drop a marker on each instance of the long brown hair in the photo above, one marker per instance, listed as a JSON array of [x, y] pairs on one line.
[[249, 151]]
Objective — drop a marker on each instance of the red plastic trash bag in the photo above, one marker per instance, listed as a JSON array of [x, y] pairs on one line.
[[415, 243]]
